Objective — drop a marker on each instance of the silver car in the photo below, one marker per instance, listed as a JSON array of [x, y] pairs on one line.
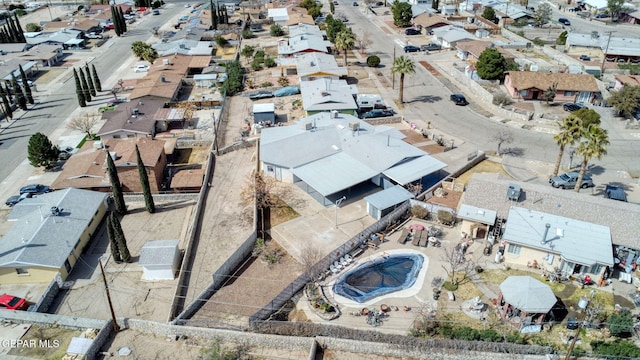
[[568, 181]]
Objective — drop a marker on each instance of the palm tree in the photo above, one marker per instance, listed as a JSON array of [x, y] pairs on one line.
[[570, 132], [594, 145], [345, 40], [403, 65]]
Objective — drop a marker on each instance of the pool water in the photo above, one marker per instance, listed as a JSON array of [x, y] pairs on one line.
[[379, 277]]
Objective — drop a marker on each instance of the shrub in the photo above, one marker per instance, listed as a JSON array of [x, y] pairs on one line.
[[450, 286], [625, 349], [419, 212], [259, 55], [247, 51], [283, 81], [537, 42], [621, 324], [33, 27], [373, 61], [501, 98], [466, 333], [256, 65], [276, 30], [490, 335], [445, 217], [515, 338], [447, 331], [266, 84], [247, 34], [269, 62], [520, 33]]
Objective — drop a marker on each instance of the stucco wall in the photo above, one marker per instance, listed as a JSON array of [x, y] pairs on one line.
[[527, 255], [35, 275]]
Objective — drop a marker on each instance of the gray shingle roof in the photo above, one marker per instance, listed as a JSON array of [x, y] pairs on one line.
[[327, 94]]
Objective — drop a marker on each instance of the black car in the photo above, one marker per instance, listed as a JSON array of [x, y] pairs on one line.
[[615, 193], [355, 3], [585, 57], [459, 99], [431, 47], [411, 48], [571, 107], [412, 31], [262, 94], [12, 200], [35, 189], [376, 113]]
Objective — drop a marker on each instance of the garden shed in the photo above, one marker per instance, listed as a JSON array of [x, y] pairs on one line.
[[159, 260], [264, 113], [385, 201]]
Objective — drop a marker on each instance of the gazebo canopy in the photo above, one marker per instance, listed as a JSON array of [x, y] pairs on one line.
[[527, 294]]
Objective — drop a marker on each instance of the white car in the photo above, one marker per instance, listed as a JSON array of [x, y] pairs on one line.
[[141, 68], [93, 35], [29, 82]]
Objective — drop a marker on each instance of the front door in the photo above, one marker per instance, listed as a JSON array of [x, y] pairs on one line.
[[583, 97], [535, 94]]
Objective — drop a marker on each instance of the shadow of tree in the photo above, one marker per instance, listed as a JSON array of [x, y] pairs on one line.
[[425, 98], [514, 151]]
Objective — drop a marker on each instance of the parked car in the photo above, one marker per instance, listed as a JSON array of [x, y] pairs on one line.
[[568, 181], [379, 3], [355, 3], [411, 48], [585, 57], [156, 12], [459, 99], [10, 302], [35, 189], [141, 68], [287, 91], [431, 47], [376, 113], [412, 31], [183, 18], [262, 94], [29, 82], [602, 16], [64, 153], [12, 200], [564, 21], [571, 107], [93, 35], [102, 109], [109, 26], [615, 193]]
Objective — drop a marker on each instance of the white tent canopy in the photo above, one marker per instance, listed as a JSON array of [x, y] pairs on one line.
[[527, 294]]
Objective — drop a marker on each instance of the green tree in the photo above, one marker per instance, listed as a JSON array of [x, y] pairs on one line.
[[79, 92], [403, 65], [120, 238], [214, 16], [21, 37], [96, 79], [313, 8], [570, 132], [247, 34], [233, 84], [332, 8], [276, 30], [625, 100], [435, 4], [489, 14], [550, 93], [562, 38], [402, 13], [593, 145], [122, 20], [345, 41], [85, 87], [33, 27], [373, 61], [248, 51], [6, 106], [491, 65], [621, 324], [334, 27], [41, 151], [115, 252], [25, 84], [615, 6], [116, 23], [221, 41], [92, 89], [144, 181], [17, 89], [542, 14], [116, 186]]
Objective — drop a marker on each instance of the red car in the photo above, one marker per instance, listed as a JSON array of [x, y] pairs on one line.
[[10, 302], [109, 27]]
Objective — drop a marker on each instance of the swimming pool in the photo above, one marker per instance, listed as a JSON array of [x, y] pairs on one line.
[[379, 277]]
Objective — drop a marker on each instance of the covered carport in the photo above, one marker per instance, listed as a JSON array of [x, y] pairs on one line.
[[385, 201], [525, 301]]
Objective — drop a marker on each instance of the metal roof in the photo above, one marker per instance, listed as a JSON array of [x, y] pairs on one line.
[[326, 94], [318, 63], [158, 252], [528, 294], [39, 238], [414, 169], [477, 214], [576, 241], [263, 108], [389, 197]]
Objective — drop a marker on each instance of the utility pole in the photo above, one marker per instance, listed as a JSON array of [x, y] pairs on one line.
[[106, 288], [338, 202], [604, 55], [580, 325], [393, 81]]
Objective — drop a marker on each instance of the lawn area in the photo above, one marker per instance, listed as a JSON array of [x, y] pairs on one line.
[[486, 166]]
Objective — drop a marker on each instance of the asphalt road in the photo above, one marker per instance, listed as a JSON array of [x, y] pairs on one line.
[[54, 105], [426, 99]]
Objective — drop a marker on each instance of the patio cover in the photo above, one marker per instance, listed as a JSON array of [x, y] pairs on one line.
[[527, 294]]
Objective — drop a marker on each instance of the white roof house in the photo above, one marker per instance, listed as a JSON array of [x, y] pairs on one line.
[[278, 15], [302, 43], [449, 35], [305, 29], [331, 152], [327, 95], [617, 46], [159, 259], [311, 66]]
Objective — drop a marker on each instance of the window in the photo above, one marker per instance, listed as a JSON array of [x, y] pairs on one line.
[[22, 271], [514, 249], [596, 269], [569, 93], [67, 266], [116, 136], [269, 168], [130, 135]]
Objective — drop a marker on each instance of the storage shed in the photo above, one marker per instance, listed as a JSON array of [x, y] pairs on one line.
[[160, 260], [264, 113], [385, 201]]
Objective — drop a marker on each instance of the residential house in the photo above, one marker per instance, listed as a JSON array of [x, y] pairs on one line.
[[633, 17], [49, 233], [448, 36], [67, 38], [184, 47], [299, 15], [324, 94], [159, 86], [10, 68], [527, 85], [606, 222], [611, 47], [82, 24], [509, 13], [187, 180], [595, 5], [328, 154], [312, 66], [622, 80], [300, 44], [306, 29], [87, 169], [472, 49], [429, 21], [279, 16], [43, 54], [131, 119]]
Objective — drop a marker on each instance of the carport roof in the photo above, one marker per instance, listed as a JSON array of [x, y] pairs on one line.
[[415, 169], [389, 197], [468, 212]]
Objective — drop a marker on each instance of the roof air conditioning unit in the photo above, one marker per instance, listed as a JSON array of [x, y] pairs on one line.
[[334, 114], [513, 192], [354, 126], [55, 211], [98, 145], [308, 126], [165, 62], [135, 111]]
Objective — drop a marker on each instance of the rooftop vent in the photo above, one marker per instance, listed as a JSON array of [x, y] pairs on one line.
[[165, 62], [55, 211], [513, 192], [163, 79]]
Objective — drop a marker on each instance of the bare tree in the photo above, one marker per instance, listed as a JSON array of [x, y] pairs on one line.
[[259, 189], [456, 262], [117, 89], [502, 137], [415, 188], [310, 257], [363, 41], [84, 123]]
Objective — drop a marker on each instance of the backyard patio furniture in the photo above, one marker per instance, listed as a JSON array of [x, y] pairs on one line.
[[333, 269], [348, 258], [404, 236], [338, 265], [344, 261]]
